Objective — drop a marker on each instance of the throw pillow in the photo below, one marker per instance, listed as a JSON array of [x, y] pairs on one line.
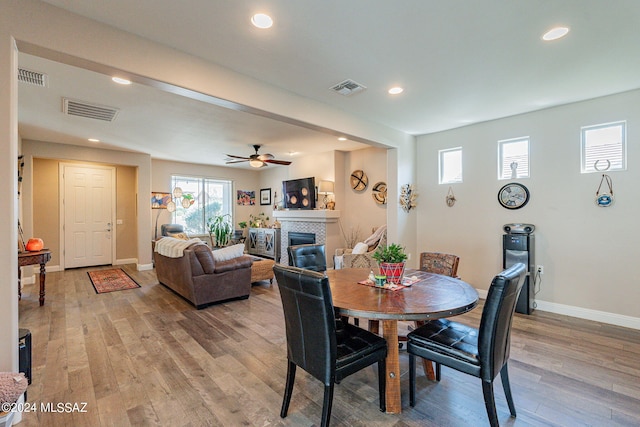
[[360, 248], [229, 252], [181, 236]]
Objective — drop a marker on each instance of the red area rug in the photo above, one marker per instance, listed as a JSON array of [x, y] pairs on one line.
[[111, 280]]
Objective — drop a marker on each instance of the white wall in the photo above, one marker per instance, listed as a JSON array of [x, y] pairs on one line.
[[588, 252]]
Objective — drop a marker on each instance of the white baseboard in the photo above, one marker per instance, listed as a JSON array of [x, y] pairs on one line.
[[582, 313], [144, 267]]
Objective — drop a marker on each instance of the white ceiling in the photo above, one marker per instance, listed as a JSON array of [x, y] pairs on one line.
[[460, 62]]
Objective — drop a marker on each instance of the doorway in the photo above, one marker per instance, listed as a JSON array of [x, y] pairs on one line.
[[87, 202]]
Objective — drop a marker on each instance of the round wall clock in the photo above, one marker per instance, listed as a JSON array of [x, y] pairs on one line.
[[513, 195], [359, 180]]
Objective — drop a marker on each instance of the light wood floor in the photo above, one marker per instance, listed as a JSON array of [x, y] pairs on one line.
[[146, 357]]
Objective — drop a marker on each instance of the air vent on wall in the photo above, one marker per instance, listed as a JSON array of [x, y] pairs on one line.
[[74, 107], [348, 87], [32, 77]]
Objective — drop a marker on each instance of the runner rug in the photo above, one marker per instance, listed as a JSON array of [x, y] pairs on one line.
[[111, 280]]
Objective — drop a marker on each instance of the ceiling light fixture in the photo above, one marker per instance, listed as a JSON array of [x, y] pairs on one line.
[[262, 20], [121, 81], [94, 140], [396, 90], [555, 33], [255, 163], [342, 138]]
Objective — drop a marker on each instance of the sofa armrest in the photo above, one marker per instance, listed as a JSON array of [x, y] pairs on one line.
[[233, 264]]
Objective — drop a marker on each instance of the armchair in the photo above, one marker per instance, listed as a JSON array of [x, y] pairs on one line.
[[362, 260]]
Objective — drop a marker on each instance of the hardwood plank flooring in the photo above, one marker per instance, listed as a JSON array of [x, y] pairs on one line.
[[147, 357]]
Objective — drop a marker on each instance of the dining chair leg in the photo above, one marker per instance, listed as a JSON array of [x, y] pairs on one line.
[[326, 405], [490, 403], [504, 376], [412, 380], [288, 389], [382, 384]]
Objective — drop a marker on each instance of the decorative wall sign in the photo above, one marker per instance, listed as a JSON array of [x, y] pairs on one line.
[[605, 199], [408, 197], [450, 199], [379, 193], [359, 180]]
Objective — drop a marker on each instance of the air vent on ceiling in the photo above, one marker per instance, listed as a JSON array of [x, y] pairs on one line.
[[348, 87], [32, 77], [74, 107]]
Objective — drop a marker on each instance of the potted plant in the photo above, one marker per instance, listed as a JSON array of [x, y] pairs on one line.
[[391, 260], [258, 221], [220, 230]]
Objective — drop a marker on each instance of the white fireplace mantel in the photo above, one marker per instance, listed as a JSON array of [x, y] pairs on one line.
[[322, 223]]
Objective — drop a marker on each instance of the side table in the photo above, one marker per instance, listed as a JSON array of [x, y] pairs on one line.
[[33, 258]]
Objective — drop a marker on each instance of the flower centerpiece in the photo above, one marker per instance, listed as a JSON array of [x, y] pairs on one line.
[[391, 260]]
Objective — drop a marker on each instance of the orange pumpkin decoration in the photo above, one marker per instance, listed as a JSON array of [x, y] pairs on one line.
[[34, 244]]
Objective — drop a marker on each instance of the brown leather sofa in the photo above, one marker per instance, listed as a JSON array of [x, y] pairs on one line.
[[200, 279]]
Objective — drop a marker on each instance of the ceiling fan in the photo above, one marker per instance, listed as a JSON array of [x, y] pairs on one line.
[[256, 160]]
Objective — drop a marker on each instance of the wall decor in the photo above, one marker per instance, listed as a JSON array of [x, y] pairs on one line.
[[379, 193], [408, 197], [265, 196], [299, 193], [160, 200], [513, 195], [605, 199], [359, 180], [450, 199], [246, 198]]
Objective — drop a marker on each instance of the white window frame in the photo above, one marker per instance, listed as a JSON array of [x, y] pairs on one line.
[[201, 202], [442, 166], [606, 165], [524, 165]]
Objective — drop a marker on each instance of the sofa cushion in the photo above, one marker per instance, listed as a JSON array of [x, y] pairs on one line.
[[233, 264], [228, 253]]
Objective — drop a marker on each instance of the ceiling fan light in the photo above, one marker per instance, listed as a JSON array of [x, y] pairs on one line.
[[255, 163]]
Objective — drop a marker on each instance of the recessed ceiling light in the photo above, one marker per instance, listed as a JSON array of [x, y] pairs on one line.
[[94, 140], [262, 20], [396, 90], [555, 33], [121, 81], [342, 138]]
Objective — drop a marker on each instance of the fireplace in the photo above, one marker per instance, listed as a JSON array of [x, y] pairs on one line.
[[297, 238]]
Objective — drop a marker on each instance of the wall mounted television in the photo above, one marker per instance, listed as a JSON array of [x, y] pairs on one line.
[[299, 193]]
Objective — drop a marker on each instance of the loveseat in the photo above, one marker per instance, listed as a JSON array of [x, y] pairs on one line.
[[200, 278]]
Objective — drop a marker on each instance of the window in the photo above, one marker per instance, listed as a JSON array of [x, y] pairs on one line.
[[603, 147], [205, 199], [450, 165], [513, 158]]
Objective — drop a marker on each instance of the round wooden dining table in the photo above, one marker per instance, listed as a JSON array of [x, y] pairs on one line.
[[432, 296]]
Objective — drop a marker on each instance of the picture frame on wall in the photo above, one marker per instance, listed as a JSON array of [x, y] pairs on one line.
[[159, 200], [265, 196], [246, 198]]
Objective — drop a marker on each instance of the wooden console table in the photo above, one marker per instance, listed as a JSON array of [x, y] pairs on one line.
[[32, 258]]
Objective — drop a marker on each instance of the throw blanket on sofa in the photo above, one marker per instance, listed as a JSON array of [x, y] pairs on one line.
[[172, 247]]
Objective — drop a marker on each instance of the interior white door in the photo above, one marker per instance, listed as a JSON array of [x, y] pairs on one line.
[[88, 215]]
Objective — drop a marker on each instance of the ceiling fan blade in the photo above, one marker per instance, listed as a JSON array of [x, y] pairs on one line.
[[236, 161], [236, 157], [278, 162]]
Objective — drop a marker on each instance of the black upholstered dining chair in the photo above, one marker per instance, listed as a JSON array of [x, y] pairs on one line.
[[481, 352], [314, 344], [310, 257]]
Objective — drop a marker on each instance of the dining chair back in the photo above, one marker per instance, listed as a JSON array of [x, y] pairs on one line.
[[481, 352], [310, 256], [439, 263], [313, 341]]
